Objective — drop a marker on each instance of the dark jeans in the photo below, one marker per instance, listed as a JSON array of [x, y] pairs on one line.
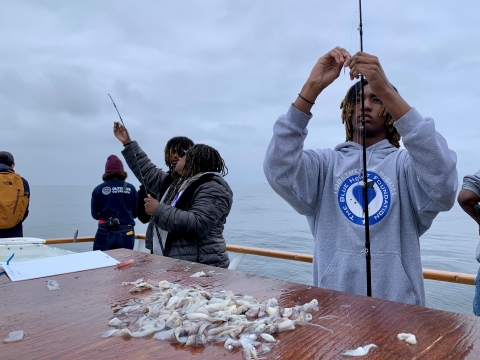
[[121, 237], [16, 231]]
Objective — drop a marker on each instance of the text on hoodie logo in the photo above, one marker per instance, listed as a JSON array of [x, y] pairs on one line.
[[352, 202]]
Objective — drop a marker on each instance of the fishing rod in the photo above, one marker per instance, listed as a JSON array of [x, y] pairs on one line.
[[120, 116], [142, 180], [366, 183]]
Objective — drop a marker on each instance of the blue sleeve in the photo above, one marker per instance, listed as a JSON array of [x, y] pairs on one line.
[[134, 201], [93, 205]]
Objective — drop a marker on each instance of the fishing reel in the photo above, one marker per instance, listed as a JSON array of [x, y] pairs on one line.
[[112, 223]]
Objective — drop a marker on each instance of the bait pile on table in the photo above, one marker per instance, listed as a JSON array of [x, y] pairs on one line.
[[195, 317]]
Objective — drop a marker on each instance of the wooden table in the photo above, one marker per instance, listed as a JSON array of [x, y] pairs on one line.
[[68, 323]]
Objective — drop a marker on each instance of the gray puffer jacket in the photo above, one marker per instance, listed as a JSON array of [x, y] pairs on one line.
[[195, 224], [154, 179]]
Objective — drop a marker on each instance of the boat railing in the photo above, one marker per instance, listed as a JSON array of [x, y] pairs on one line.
[[241, 251]]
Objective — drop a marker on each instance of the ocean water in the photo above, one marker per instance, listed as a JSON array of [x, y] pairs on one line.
[[260, 218]]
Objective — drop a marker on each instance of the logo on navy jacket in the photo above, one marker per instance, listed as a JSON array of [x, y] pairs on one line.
[[107, 190], [351, 198]]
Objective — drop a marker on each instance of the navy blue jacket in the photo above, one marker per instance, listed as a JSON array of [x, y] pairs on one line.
[[17, 230], [108, 201]]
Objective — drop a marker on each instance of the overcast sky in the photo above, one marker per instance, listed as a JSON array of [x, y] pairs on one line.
[[217, 71]]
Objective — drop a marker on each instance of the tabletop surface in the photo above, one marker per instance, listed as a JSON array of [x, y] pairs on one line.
[[68, 323]]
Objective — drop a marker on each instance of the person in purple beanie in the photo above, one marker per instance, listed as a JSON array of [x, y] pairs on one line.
[[114, 205]]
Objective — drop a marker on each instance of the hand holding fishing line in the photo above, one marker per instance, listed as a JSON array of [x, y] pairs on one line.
[[328, 68], [369, 66], [150, 204], [325, 71], [121, 133]]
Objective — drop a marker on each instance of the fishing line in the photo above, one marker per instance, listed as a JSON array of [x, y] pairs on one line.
[[351, 32], [344, 69], [366, 183], [351, 37], [142, 180]]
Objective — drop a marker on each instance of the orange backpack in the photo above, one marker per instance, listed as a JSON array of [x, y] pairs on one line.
[[13, 200]]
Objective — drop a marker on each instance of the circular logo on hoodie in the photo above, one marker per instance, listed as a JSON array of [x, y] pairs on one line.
[[351, 198], [106, 190]]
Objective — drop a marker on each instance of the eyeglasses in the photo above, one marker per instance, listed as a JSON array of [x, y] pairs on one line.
[[182, 153]]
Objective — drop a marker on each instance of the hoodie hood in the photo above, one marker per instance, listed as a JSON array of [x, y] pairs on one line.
[[383, 147], [5, 168]]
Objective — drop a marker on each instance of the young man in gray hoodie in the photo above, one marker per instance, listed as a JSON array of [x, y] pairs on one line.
[[409, 187]]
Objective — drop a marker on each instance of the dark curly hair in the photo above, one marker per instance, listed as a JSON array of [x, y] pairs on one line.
[[348, 105], [174, 145]]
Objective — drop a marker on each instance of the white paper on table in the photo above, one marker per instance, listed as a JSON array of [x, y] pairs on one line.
[[55, 265]]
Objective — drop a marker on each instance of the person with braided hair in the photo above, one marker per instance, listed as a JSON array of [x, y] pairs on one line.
[[174, 146], [192, 213], [406, 188], [192, 200], [348, 106], [153, 178]]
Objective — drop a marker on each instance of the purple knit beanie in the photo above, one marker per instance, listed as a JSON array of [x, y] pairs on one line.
[[113, 164]]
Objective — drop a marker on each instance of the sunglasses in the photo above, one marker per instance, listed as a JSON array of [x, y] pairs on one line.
[[182, 153]]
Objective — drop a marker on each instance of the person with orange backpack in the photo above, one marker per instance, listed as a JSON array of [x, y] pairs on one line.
[[14, 198]]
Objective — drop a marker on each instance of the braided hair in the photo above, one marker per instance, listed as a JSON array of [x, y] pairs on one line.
[[174, 145], [199, 159], [348, 105]]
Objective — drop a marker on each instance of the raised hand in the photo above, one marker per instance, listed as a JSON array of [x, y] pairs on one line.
[[328, 68], [121, 133], [369, 66], [325, 71]]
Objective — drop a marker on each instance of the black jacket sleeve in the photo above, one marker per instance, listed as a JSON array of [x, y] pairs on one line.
[[142, 215]]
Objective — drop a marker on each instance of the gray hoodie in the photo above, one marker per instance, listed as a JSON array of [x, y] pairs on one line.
[[410, 188], [472, 183]]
